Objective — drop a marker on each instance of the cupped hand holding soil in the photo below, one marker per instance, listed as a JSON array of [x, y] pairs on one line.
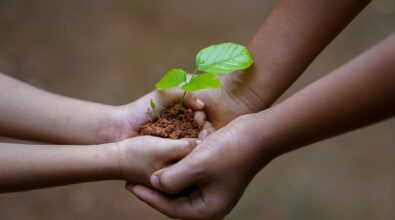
[[175, 122]]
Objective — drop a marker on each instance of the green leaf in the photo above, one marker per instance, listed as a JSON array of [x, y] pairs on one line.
[[202, 81], [173, 77], [153, 106], [223, 58]]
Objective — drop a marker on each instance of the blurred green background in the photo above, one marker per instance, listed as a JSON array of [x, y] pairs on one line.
[[113, 52]]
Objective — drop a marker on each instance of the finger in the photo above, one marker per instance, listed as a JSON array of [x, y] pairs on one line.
[[191, 101], [200, 118], [177, 177], [176, 149], [207, 130], [153, 198], [180, 207]]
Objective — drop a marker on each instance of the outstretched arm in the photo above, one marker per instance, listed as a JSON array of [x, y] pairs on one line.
[[358, 94], [355, 95], [290, 38], [25, 167], [31, 113], [293, 34]]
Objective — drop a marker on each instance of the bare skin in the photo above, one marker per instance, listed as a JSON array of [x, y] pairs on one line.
[[288, 41], [25, 167], [30, 113], [285, 45], [290, 38], [357, 94]]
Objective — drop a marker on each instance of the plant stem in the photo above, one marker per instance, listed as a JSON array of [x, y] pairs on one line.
[[193, 74], [180, 103], [185, 92], [183, 97]]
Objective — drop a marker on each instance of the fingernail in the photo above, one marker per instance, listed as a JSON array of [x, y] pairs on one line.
[[198, 141], [155, 181], [200, 102]]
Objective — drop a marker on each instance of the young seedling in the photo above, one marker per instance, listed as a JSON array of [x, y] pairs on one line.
[[153, 106], [218, 59]]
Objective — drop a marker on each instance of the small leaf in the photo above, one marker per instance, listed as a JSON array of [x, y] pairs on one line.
[[173, 77], [153, 106], [223, 58], [202, 81]]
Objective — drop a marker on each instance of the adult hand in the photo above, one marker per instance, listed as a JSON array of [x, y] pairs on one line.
[[233, 100], [221, 167]]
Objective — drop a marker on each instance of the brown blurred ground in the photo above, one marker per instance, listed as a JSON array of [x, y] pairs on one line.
[[114, 51]]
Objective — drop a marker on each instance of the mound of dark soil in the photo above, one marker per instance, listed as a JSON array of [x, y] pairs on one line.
[[173, 124]]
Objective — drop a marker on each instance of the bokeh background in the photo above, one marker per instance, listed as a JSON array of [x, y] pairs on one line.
[[113, 52]]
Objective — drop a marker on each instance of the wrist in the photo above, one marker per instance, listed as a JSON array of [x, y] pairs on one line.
[[85, 122], [111, 160], [131, 161], [240, 87], [270, 135], [113, 124], [90, 162], [259, 145]]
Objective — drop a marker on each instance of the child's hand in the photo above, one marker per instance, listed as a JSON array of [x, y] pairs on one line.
[[139, 157], [125, 121]]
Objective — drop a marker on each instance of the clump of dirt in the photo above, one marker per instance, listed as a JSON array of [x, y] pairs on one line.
[[173, 124]]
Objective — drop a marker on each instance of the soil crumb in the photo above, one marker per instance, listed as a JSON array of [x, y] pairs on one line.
[[173, 125]]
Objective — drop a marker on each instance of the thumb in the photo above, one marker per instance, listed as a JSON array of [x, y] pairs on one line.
[[177, 177]]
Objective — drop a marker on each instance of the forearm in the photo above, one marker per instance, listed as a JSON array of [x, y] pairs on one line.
[[291, 37], [25, 167], [358, 94], [30, 113]]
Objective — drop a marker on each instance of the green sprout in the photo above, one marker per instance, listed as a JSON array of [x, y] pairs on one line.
[[153, 106], [218, 59]]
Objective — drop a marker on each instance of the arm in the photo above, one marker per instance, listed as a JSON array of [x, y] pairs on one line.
[[355, 95], [30, 113], [290, 38], [358, 94], [25, 167], [284, 46]]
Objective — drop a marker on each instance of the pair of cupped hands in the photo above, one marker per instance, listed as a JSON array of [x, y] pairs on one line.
[[214, 169]]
